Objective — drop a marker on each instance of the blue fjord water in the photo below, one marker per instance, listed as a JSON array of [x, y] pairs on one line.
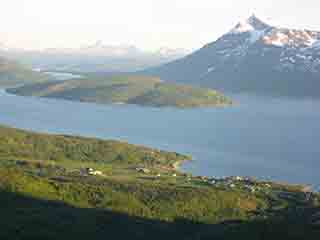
[[274, 139]]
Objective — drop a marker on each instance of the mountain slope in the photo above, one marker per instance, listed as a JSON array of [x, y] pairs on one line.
[[253, 57], [47, 191]]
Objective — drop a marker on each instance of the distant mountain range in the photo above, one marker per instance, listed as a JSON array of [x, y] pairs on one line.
[[121, 51], [253, 57], [96, 57]]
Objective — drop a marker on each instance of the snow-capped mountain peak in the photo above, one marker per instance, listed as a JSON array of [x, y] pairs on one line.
[[257, 23], [291, 49], [254, 57], [256, 30], [251, 24]]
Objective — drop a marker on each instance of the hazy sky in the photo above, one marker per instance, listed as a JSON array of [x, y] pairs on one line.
[[148, 24]]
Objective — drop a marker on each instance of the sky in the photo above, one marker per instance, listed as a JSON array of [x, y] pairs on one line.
[[147, 24]]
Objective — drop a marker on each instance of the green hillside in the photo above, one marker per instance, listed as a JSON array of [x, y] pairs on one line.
[[46, 194], [141, 90], [12, 74], [17, 144]]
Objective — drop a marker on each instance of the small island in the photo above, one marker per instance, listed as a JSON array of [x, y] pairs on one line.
[[121, 89], [68, 187]]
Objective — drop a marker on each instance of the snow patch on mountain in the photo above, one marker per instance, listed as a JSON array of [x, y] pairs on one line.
[[254, 26], [280, 40], [211, 69], [283, 37], [243, 26], [256, 35], [316, 44]]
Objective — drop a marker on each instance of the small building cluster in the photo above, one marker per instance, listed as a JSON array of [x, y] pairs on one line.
[[91, 172], [232, 182]]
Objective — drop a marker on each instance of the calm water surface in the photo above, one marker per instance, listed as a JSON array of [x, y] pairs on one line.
[[268, 138]]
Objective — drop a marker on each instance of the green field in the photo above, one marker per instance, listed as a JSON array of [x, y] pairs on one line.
[[140, 90], [45, 195]]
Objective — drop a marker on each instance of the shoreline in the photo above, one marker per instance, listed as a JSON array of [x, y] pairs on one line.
[[305, 188], [177, 165], [6, 90], [230, 180]]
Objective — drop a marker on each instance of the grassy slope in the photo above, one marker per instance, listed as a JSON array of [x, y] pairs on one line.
[[44, 198], [12, 74], [17, 144], [140, 90]]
